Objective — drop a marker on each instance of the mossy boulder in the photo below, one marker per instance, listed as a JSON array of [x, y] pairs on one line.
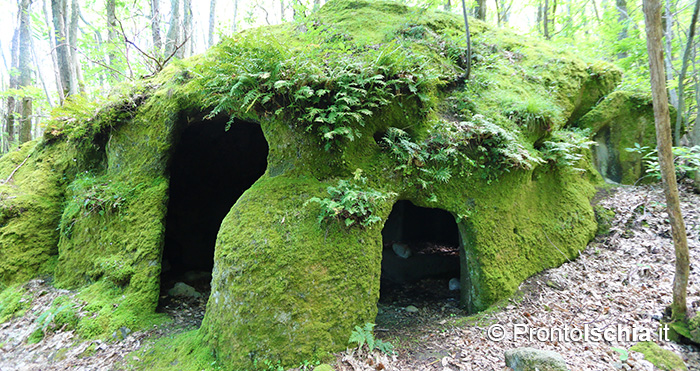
[[662, 358], [621, 122], [355, 118]]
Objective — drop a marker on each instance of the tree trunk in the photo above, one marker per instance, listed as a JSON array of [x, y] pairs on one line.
[[669, 51], [448, 6], [652, 15], [173, 38], [235, 16], [623, 18], [54, 61], [595, 11], [25, 69], [545, 19], [680, 115], [25, 129], [11, 107], [155, 27], [41, 75], [498, 12], [480, 10], [187, 38], [281, 11], [469, 42], [317, 4], [212, 22], [58, 9], [112, 39], [76, 71]]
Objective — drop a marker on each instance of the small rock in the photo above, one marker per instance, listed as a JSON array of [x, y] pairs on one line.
[[411, 309], [645, 365], [184, 290], [454, 284], [402, 250], [530, 359]]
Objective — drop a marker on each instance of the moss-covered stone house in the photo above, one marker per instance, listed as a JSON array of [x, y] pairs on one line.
[[274, 161]]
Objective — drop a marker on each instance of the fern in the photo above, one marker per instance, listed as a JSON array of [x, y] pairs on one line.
[[365, 336], [350, 203]]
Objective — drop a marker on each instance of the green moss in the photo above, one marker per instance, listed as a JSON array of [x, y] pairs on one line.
[[30, 207], [603, 217], [661, 358], [12, 302], [184, 351], [620, 121], [308, 285]]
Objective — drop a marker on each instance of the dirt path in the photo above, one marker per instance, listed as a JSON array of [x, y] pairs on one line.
[[623, 279]]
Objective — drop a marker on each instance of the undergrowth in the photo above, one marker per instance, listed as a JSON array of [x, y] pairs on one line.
[[351, 203], [686, 161]]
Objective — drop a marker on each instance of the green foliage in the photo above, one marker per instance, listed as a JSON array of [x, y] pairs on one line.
[[686, 160], [536, 113], [568, 149], [61, 315], [457, 147], [12, 302], [624, 354], [433, 160], [365, 336], [94, 195], [350, 203], [328, 89]]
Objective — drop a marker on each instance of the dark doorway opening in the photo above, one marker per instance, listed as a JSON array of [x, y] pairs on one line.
[[210, 169], [420, 258]]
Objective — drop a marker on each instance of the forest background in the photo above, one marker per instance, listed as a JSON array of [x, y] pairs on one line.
[[53, 50]]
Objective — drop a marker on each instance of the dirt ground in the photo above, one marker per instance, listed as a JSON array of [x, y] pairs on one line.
[[620, 281]]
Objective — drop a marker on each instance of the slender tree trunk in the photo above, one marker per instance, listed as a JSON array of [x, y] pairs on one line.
[[173, 38], [25, 129], [187, 38], [623, 18], [480, 10], [25, 69], [76, 71], [235, 16], [58, 9], [41, 75], [595, 11], [680, 115], [673, 95], [469, 41], [317, 4], [54, 61], [281, 11], [212, 22], [652, 15], [498, 12], [545, 19], [112, 37], [11, 107], [448, 6], [155, 27]]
